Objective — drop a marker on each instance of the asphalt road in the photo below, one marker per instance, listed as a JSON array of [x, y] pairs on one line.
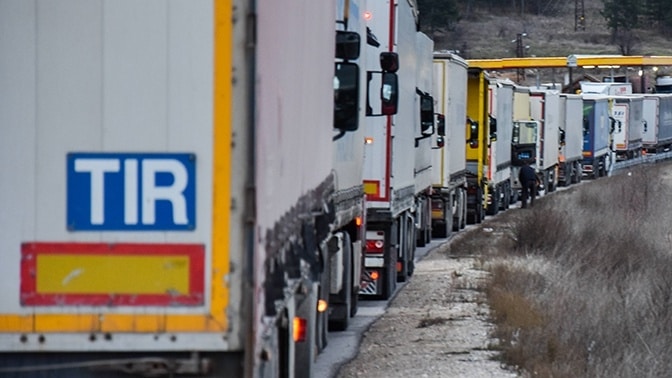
[[344, 346]]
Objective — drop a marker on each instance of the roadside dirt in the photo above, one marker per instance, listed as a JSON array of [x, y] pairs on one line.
[[437, 326]]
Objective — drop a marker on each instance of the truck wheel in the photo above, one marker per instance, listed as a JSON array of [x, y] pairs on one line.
[[404, 232], [355, 300], [493, 207], [459, 217], [390, 280], [507, 197], [480, 211], [411, 248], [471, 217], [340, 316]]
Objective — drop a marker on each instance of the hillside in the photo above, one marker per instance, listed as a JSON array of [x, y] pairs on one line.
[[492, 33], [488, 33]]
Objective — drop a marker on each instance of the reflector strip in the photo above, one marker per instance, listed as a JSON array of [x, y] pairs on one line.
[[372, 188], [99, 274]]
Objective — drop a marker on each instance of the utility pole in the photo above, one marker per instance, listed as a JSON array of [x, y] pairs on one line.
[[520, 53], [579, 16]]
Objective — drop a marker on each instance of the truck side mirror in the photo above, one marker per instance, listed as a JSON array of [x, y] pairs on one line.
[[613, 125], [473, 133], [426, 113], [347, 45], [493, 128], [440, 143], [389, 62], [441, 125], [389, 93], [346, 97]]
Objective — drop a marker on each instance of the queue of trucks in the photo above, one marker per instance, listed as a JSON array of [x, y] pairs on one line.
[[184, 194]]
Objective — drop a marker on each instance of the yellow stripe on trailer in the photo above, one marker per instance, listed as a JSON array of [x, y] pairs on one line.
[[74, 274]]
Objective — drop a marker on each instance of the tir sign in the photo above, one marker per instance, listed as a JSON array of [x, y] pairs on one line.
[[141, 192]]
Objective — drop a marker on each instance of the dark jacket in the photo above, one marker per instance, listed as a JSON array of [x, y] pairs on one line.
[[526, 175]]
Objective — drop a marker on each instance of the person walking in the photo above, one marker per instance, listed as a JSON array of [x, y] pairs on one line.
[[528, 181]]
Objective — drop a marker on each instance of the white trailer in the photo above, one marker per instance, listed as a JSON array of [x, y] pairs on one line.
[[390, 148], [598, 127], [500, 111], [545, 108], [449, 174], [524, 137], [627, 112], [657, 114], [169, 179], [608, 88], [571, 139], [424, 121]]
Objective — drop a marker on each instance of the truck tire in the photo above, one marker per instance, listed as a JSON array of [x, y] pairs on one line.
[[424, 234], [493, 207], [463, 225], [342, 311], [405, 226], [390, 276], [442, 229], [480, 211], [506, 202], [410, 267]]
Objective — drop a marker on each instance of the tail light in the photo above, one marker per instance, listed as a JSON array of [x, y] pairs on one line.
[[299, 333], [375, 242]]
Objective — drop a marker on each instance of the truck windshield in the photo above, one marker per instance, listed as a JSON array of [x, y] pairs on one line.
[[524, 132]]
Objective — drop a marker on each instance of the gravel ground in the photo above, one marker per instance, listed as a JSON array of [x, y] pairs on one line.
[[437, 326]]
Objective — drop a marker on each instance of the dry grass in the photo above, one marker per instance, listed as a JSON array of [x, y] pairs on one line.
[[581, 285]]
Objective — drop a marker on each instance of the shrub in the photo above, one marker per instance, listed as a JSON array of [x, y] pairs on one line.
[[585, 288]]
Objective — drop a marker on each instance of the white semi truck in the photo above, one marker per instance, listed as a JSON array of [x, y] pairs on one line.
[[524, 137], [172, 193], [348, 200], [627, 111], [397, 207], [449, 175], [545, 109], [425, 135], [500, 118], [570, 139], [657, 114]]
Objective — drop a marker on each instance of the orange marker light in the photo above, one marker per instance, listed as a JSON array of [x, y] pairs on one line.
[[322, 305], [299, 333], [375, 275], [358, 221], [368, 15]]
